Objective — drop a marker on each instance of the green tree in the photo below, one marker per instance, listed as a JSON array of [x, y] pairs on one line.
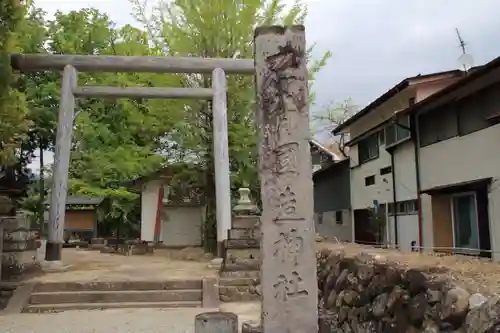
[[219, 28], [114, 140], [41, 90], [13, 111]]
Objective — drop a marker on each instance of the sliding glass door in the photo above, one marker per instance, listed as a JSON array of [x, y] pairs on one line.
[[465, 223]]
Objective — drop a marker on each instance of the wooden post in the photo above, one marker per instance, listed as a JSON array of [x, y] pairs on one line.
[[221, 157], [216, 322], [288, 267], [61, 165]]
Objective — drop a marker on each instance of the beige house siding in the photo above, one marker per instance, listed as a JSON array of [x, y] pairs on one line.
[[468, 158]]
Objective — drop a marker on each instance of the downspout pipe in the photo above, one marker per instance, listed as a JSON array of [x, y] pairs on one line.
[[416, 135], [394, 200]]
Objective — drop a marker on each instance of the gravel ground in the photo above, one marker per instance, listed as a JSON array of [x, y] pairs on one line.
[[119, 320]]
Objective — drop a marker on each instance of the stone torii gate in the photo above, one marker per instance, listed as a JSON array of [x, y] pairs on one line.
[[70, 90], [288, 261]]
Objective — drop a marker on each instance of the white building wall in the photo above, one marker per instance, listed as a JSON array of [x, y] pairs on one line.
[[467, 158], [407, 231], [149, 203], [362, 196], [405, 171], [406, 189], [181, 225]]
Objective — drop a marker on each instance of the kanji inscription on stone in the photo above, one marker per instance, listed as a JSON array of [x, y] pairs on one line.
[[288, 260], [287, 159], [288, 201], [289, 247], [289, 287]]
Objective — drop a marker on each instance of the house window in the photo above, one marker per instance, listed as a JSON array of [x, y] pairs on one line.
[[473, 113], [386, 170], [390, 208], [406, 207], [370, 180], [397, 133], [338, 217], [438, 125], [381, 137], [368, 148]]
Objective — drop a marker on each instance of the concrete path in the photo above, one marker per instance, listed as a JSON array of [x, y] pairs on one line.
[[119, 320]]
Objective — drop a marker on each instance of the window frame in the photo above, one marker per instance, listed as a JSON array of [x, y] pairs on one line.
[[372, 139], [367, 180], [339, 221], [404, 207], [396, 129], [386, 170]]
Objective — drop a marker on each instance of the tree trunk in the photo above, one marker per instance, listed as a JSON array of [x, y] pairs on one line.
[[41, 189], [211, 220]]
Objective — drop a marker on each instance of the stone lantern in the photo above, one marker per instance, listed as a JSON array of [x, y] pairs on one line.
[[245, 205]]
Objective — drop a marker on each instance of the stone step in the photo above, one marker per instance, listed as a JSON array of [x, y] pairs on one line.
[[245, 222], [242, 254], [41, 308], [129, 296], [5, 296], [239, 293], [7, 289], [118, 285], [253, 274], [243, 243], [235, 233], [242, 266], [238, 281]]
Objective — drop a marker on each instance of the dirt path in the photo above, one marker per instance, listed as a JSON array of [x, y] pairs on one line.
[[164, 264]]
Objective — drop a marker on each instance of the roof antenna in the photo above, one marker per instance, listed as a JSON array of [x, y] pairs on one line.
[[465, 59]]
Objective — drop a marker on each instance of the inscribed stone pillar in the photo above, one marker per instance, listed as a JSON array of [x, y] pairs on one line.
[[288, 268]]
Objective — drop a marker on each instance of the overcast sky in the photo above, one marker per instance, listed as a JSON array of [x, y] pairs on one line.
[[375, 43]]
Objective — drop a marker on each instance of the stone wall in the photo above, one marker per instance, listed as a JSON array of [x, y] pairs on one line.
[[19, 248], [366, 294]]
